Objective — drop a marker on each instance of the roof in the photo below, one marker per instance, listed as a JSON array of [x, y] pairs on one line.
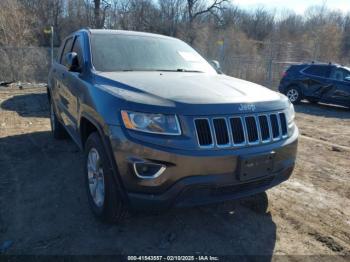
[[125, 32], [316, 63], [323, 63]]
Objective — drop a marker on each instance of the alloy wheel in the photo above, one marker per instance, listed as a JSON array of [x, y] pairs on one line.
[[293, 95], [96, 177]]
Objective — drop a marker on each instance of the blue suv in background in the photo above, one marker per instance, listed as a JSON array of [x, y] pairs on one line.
[[327, 83]]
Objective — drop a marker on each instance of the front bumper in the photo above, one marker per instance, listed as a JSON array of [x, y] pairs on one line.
[[195, 177]]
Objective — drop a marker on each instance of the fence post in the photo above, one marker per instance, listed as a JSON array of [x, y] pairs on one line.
[[270, 80], [269, 66], [51, 45]]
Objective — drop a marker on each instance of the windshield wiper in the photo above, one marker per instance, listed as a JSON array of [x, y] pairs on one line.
[[179, 70], [164, 70]]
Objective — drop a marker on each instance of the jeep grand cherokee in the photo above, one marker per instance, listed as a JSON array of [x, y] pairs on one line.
[[160, 127]]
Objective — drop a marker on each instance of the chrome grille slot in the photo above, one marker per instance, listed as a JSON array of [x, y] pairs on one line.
[[283, 122], [264, 128], [221, 132], [252, 130], [203, 132], [274, 126], [237, 130]]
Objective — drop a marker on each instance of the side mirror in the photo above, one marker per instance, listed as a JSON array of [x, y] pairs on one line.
[[216, 65], [72, 62]]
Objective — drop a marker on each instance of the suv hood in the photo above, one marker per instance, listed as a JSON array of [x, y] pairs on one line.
[[189, 89]]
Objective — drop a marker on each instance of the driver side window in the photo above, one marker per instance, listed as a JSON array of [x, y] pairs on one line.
[[77, 49], [67, 48]]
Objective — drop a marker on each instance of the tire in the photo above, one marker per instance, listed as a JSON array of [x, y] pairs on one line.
[[104, 196], [294, 94], [57, 128], [257, 203]]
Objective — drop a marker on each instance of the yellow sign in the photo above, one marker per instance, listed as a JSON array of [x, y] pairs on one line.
[[47, 31]]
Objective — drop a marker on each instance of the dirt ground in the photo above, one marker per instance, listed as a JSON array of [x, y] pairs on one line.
[[44, 209]]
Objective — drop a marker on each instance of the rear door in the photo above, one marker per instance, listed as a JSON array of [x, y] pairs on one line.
[[339, 79], [67, 101], [54, 79], [60, 74], [316, 82]]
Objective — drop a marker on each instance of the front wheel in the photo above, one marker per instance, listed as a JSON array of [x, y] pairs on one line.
[[104, 195], [294, 94]]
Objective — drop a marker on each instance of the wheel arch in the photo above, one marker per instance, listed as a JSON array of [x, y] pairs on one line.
[[86, 126], [295, 84], [48, 93]]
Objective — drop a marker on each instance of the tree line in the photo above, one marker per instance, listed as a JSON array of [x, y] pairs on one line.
[[217, 28]]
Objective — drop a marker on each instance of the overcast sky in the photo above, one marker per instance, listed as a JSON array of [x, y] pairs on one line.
[[298, 6]]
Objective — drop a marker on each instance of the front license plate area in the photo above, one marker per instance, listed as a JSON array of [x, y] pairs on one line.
[[255, 166]]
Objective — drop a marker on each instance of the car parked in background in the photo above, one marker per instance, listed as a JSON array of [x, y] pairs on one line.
[[317, 82]]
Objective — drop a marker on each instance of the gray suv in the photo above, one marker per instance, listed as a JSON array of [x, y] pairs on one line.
[[160, 127]]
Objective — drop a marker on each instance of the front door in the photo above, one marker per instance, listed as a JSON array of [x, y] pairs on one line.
[[340, 80]]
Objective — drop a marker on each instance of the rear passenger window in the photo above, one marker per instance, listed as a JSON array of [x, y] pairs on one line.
[[318, 70], [67, 49]]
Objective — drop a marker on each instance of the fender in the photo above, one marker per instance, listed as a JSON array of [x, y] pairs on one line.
[[108, 148]]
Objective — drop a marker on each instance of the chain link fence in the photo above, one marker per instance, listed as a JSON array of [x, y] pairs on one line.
[[264, 71], [267, 61], [26, 64], [32, 64]]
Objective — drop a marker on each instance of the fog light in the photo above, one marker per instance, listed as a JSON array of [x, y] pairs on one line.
[[148, 170]]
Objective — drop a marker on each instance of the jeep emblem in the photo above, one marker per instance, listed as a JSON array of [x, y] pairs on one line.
[[247, 107]]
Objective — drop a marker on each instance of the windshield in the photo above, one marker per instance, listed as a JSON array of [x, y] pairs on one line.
[[118, 52]]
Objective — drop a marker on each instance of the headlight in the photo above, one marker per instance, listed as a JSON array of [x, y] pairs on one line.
[[290, 116], [151, 123]]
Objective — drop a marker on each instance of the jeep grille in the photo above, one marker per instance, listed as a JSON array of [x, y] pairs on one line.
[[234, 131]]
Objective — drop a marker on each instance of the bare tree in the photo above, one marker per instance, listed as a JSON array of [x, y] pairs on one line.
[[216, 28], [171, 12], [259, 24], [100, 10], [196, 8], [345, 46], [15, 33]]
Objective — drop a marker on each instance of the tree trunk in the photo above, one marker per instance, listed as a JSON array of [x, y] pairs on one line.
[[97, 14]]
